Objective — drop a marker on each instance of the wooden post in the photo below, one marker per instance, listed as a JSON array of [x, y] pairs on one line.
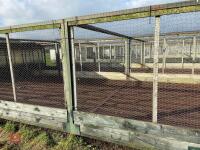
[[142, 54], [155, 70], [45, 59], [29, 55], [150, 54], [66, 48], [115, 53], [25, 60], [94, 55], [110, 53], [6, 59], [80, 55], [33, 56], [22, 54], [164, 55], [14, 59], [58, 59], [194, 45], [99, 63], [182, 54], [127, 57], [103, 52], [39, 63], [136, 51], [11, 67], [42, 55]]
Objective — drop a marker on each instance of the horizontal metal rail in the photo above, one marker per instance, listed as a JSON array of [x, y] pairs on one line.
[[97, 29]]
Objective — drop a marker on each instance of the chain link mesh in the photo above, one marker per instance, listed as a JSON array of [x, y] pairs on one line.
[[178, 99], [103, 87], [6, 92], [37, 68], [106, 83]]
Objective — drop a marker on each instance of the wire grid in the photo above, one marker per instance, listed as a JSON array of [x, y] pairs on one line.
[[37, 68], [5, 80], [178, 100], [102, 85]]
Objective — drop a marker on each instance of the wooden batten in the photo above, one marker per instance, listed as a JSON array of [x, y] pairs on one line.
[[129, 132], [156, 10], [53, 118]]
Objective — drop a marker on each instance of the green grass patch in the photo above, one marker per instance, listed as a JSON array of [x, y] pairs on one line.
[[49, 62], [35, 138]]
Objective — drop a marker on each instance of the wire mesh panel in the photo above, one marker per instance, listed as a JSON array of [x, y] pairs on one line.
[[37, 67], [179, 95], [6, 92], [109, 68]]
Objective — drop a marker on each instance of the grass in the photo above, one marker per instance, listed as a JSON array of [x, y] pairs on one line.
[[49, 62], [35, 138]]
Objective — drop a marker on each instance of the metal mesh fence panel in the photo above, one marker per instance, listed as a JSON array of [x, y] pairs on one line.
[[178, 97], [37, 67], [105, 83], [6, 92]]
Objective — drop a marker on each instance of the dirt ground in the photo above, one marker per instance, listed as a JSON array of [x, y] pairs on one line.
[[178, 104]]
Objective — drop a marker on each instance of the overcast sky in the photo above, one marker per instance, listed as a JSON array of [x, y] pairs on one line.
[[25, 11]]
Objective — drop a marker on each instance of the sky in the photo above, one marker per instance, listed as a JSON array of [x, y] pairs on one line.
[[13, 12]]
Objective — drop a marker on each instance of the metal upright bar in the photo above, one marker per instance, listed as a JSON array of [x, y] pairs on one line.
[[73, 66], [11, 67]]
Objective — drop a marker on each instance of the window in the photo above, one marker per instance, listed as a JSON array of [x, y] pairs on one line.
[[90, 54], [106, 52], [101, 52]]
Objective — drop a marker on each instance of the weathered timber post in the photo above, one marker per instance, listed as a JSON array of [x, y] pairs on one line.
[[26, 63], [80, 55], [99, 63], [33, 56], [127, 57], [68, 71], [39, 62], [182, 54], [94, 55], [14, 59], [114, 53], [194, 50], [110, 53], [44, 55], [136, 51], [155, 70], [164, 55], [58, 59], [150, 53], [142, 54], [11, 67]]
